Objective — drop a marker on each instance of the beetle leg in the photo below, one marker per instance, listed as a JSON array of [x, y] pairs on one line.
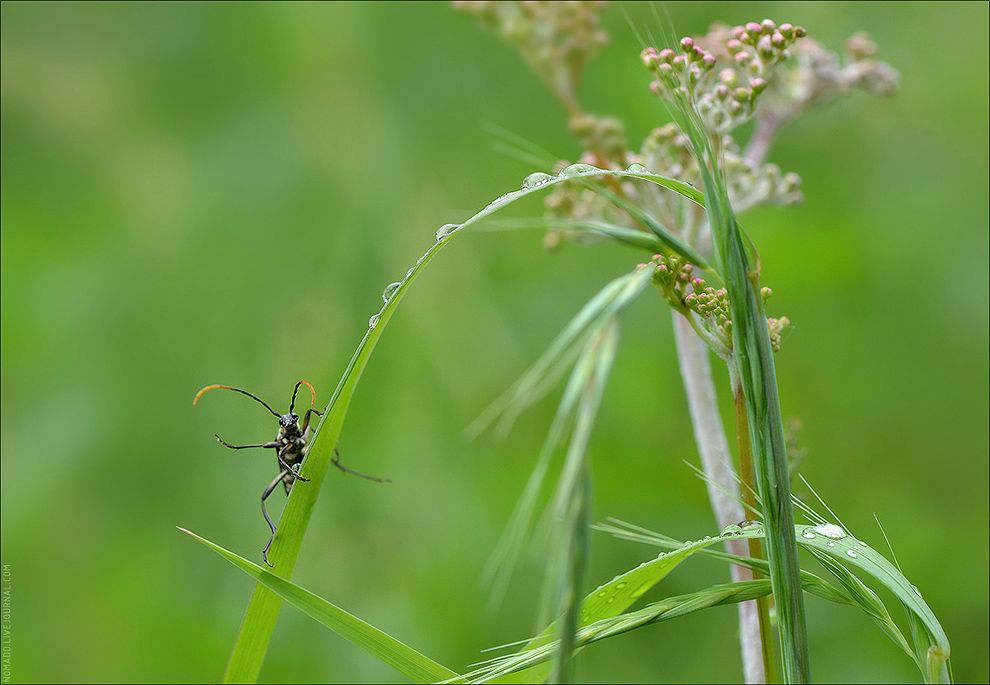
[[336, 462], [244, 447], [264, 495], [285, 465], [306, 418]]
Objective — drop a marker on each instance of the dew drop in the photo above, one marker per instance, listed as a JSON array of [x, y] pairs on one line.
[[602, 593], [575, 169], [830, 544], [373, 321], [610, 600], [731, 529], [808, 534], [830, 530], [851, 553], [535, 180], [916, 590], [620, 586], [446, 230], [747, 525], [637, 169], [390, 290], [707, 537]]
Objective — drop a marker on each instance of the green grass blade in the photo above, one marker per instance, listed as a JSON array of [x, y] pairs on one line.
[[754, 365], [931, 649], [262, 612], [671, 242], [633, 237], [566, 349], [601, 613], [609, 599], [574, 494], [259, 620], [400, 656], [519, 667]]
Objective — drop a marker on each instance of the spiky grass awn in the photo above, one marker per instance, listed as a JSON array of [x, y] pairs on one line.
[[289, 446]]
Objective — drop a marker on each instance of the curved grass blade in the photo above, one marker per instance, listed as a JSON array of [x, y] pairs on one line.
[[400, 656], [623, 234], [830, 544], [262, 612], [608, 602], [518, 667], [566, 349], [574, 494], [670, 241]]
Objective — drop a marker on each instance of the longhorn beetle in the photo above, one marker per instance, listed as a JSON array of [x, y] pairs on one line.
[[289, 446]]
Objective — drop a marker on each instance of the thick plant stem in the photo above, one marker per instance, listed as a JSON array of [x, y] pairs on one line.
[[723, 489]]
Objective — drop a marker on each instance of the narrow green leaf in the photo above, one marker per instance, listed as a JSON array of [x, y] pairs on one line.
[[932, 648], [670, 241], [753, 364], [565, 350], [262, 612], [574, 494], [400, 656]]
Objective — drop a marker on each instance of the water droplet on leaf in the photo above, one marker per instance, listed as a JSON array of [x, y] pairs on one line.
[[390, 290], [535, 180], [373, 321], [575, 169], [830, 530], [446, 230]]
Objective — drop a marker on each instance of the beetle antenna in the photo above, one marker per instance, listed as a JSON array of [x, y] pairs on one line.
[[312, 392], [243, 392]]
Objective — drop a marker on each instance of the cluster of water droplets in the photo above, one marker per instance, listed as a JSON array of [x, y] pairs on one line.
[[741, 528]]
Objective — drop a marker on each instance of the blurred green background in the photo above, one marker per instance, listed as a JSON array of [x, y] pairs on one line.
[[214, 193]]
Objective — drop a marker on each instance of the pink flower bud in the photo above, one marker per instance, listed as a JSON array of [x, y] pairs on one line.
[[650, 58], [753, 27], [687, 43]]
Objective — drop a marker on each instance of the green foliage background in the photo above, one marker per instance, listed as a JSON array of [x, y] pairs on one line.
[[217, 193]]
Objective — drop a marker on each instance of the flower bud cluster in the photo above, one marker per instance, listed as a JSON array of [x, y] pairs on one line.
[[603, 136], [776, 327], [818, 75], [667, 151], [728, 96], [752, 184], [710, 303], [556, 38], [687, 294]]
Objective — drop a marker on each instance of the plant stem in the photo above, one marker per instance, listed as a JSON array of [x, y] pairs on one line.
[[723, 489], [759, 144], [752, 504]]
